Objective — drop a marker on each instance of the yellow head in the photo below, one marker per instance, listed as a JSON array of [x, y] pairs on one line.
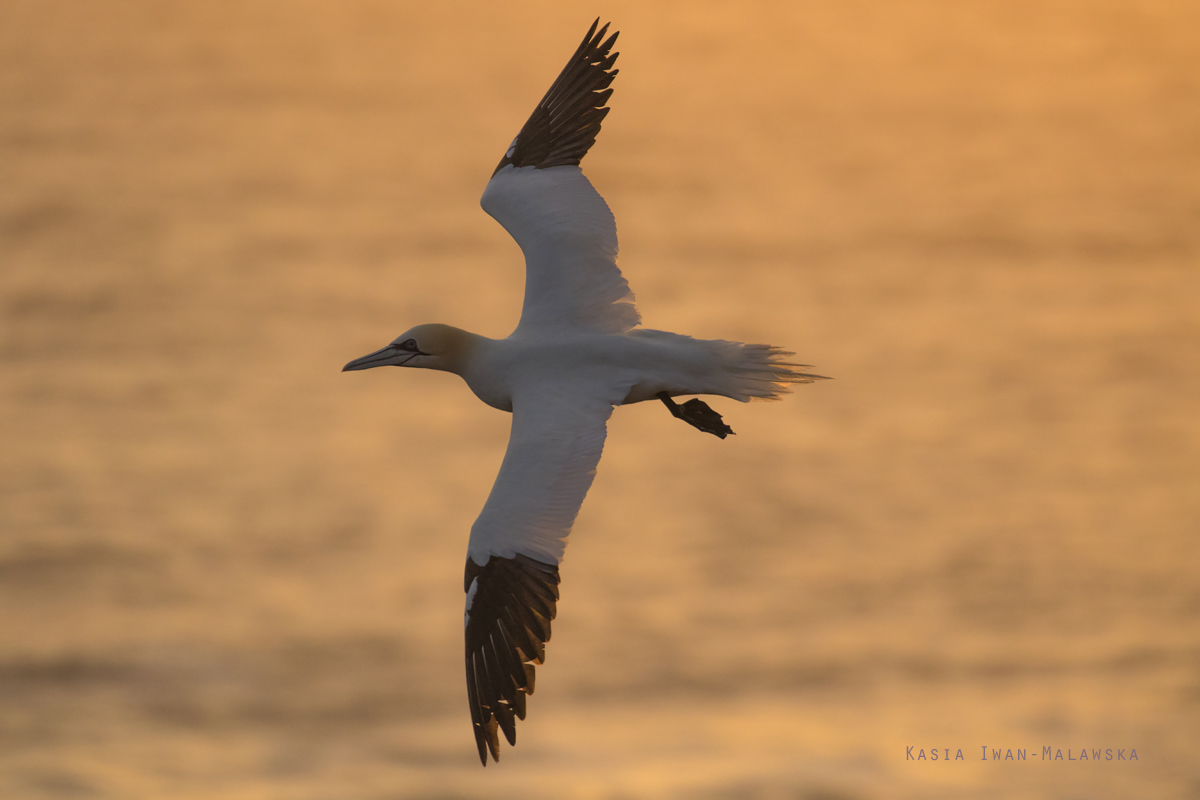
[[432, 346]]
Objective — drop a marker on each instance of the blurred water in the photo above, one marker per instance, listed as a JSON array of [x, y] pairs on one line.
[[229, 571]]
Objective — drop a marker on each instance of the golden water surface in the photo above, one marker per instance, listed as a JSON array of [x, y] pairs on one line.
[[229, 571]]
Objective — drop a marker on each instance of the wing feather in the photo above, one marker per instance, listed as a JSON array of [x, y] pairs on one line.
[[498, 677], [516, 545], [563, 226], [574, 102]]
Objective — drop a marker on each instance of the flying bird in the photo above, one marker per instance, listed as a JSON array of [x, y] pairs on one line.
[[577, 352]]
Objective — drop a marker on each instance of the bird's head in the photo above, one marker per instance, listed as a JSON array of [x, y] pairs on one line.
[[427, 346]]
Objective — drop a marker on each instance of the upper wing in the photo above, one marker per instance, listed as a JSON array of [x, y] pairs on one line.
[[516, 546], [541, 197]]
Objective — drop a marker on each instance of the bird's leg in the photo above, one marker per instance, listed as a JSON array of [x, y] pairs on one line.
[[695, 412]]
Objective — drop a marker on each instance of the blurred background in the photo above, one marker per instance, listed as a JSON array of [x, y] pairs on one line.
[[229, 571]]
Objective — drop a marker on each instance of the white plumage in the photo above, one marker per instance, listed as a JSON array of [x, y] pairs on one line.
[[569, 239], [575, 354]]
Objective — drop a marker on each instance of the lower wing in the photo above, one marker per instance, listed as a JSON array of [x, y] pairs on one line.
[[516, 546]]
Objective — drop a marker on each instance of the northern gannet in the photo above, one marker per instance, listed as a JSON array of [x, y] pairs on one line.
[[575, 354]]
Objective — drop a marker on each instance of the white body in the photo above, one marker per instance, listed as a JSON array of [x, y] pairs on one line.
[[574, 355], [561, 390], [640, 363]]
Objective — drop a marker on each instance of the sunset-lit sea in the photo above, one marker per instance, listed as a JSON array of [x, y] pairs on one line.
[[229, 571]]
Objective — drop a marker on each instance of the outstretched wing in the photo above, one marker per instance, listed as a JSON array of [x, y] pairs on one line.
[[564, 125], [541, 197], [516, 546]]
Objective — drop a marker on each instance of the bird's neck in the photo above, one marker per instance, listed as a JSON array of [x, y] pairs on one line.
[[456, 349]]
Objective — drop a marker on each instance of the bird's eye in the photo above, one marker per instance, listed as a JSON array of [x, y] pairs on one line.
[[410, 344]]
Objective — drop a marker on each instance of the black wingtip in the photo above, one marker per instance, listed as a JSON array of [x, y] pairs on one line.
[[508, 623], [493, 741], [564, 125]]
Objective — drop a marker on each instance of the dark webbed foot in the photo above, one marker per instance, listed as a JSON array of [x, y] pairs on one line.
[[695, 412]]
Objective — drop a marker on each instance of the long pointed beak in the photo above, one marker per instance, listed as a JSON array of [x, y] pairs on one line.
[[390, 356]]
